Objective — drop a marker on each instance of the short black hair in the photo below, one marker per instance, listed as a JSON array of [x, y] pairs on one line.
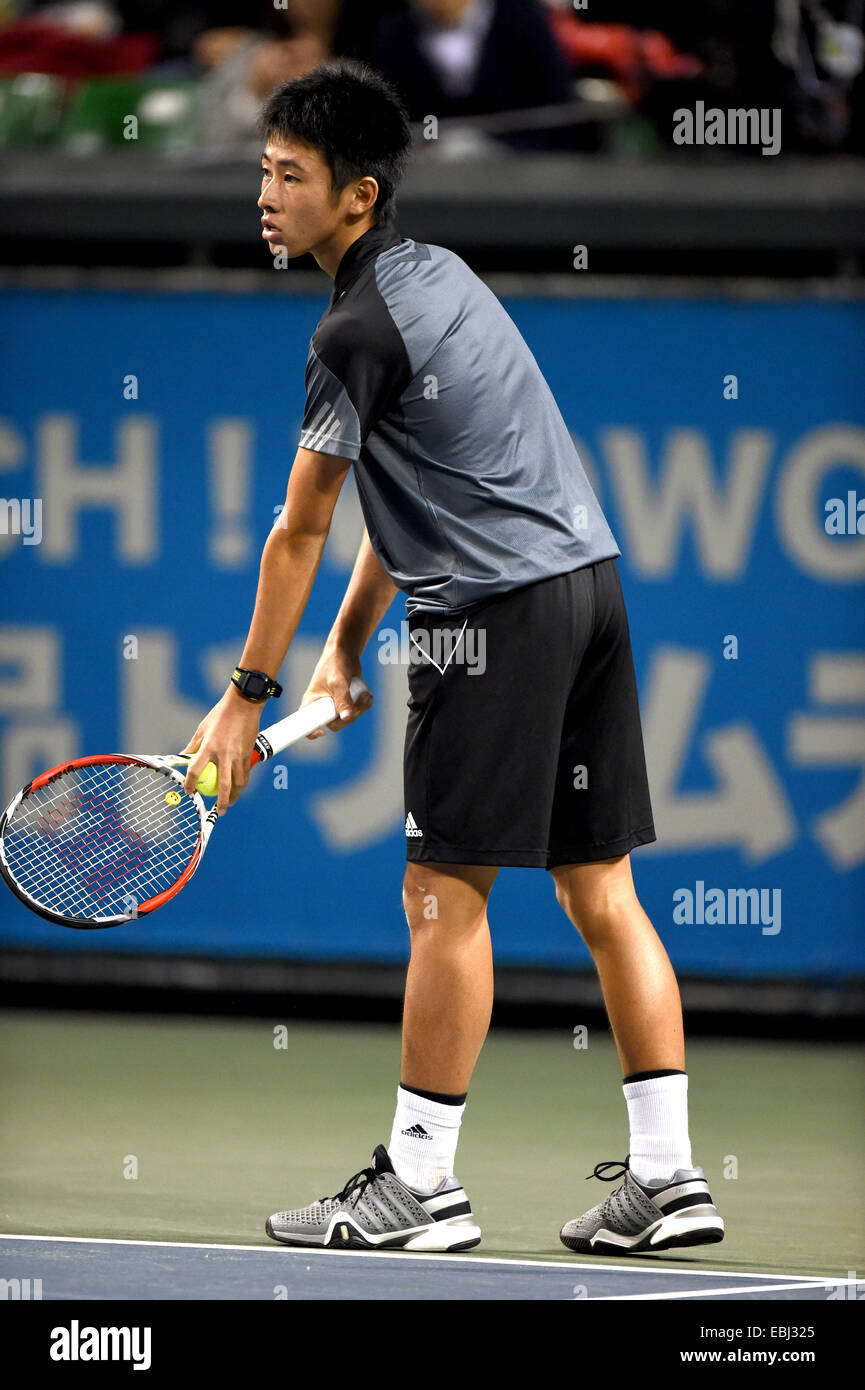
[[353, 117]]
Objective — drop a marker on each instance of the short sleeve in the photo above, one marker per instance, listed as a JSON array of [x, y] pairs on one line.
[[331, 424], [357, 368]]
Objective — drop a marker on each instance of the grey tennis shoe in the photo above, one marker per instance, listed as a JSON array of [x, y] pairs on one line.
[[375, 1210], [639, 1218]]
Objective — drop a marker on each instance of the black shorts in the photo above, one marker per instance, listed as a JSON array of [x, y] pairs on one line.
[[523, 744]]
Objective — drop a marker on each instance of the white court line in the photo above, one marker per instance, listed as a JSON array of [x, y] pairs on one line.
[[436, 1257], [722, 1292]]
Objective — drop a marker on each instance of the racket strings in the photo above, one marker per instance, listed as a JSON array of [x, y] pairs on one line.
[[101, 839]]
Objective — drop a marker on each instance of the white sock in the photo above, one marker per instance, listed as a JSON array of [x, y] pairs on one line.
[[423, 1141], [658, 1117]]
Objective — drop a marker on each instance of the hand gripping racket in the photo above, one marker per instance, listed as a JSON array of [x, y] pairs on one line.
[[102, 840]]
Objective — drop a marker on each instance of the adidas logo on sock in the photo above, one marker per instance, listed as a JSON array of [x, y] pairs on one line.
[[411, 826], [417, 1132]]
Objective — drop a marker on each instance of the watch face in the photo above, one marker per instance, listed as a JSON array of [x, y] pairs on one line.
[[252, 685]]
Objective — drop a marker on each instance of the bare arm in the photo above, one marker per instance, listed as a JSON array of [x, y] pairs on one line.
[[368, 597], [291, 557], [369, 594], [289, 564]]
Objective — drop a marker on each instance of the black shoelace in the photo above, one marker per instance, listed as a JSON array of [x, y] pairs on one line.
[[610, 1163], [354, 1188]]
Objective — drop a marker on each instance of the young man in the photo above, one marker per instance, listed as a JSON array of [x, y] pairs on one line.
[[477, 506]]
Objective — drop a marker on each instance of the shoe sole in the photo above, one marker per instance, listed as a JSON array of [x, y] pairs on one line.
[[346, 1236], [670, 1233]]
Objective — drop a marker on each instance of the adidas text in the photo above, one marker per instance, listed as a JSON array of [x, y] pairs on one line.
[[417, 1132]]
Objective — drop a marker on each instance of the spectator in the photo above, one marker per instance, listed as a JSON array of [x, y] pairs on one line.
[[243, 65], [820, 47], [471, 58]]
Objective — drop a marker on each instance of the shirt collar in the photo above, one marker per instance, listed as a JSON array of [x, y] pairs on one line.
[[380, 237]]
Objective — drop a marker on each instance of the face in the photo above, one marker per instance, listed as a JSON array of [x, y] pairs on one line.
[[300, 209]]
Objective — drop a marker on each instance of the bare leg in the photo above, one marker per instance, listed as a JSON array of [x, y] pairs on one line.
[[637, 979], [449, 988]]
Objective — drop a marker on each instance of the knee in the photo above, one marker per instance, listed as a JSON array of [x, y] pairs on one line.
[[563, 898], [576, 905], [420, 902], [595, 915], [457, 900]]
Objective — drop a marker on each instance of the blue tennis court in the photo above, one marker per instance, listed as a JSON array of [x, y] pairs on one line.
[[74, 1269]]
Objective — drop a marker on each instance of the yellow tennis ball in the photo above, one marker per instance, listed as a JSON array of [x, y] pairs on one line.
[[208, 782]]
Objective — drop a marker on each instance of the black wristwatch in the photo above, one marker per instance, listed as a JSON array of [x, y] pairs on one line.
[[254, 685]]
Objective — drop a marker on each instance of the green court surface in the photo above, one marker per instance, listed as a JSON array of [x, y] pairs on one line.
[[224, 1128]]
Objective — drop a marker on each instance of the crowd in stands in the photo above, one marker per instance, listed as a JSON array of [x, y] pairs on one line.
[[555, 74]]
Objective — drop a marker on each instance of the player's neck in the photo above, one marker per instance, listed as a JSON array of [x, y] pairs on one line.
[[331, 252]]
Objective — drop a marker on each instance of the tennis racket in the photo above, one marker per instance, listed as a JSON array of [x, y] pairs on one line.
[[100, 841]]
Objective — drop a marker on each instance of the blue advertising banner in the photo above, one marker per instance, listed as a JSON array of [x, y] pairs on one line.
[[145, 443]]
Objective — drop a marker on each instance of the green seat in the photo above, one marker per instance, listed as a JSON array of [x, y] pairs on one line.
[[96, 114], [168, 115], [633, 136], [30, 109], [110, 112]]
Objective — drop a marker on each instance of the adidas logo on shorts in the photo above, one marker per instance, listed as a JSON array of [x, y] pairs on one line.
[[411, 826]]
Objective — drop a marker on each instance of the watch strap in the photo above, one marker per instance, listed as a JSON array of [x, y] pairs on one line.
[[256, 686]]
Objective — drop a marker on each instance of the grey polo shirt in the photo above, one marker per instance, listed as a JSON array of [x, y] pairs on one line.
[[468, 479]]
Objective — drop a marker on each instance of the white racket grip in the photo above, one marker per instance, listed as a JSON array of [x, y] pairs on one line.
[[315, 715]]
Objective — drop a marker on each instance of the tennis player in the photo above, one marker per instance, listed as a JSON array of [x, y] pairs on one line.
[[476, 506]]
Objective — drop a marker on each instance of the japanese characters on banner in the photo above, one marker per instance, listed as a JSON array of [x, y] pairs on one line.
[[145, 442]]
